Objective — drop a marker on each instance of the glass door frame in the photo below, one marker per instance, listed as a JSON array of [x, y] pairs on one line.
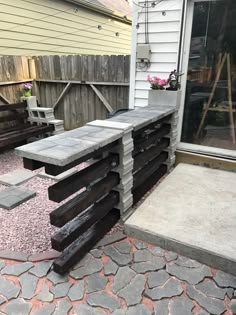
[[188, 23]]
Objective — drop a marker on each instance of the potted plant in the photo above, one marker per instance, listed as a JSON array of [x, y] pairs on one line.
[[27, 89], [165, 92]]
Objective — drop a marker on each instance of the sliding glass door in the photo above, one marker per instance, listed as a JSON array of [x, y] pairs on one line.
[[210, 102]]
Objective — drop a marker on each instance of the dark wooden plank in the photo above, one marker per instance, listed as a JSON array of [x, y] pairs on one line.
[[144, 157], [13, 106], [153, 125], [72, 230], [143, 143], [140, 191], [75, 206], [79, 248], [11, 117], [83, 178], [56, 170], [25, 134], [12, 128], [147, 171], [32, 164]]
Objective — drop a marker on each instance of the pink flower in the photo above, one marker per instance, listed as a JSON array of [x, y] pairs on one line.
[[156, 78], [162, 82], [149, 78]]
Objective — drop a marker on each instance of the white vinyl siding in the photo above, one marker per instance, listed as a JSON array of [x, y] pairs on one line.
[[164, 33], [46, 27]]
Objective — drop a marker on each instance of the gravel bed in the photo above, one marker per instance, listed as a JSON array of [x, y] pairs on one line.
[[27, 227]]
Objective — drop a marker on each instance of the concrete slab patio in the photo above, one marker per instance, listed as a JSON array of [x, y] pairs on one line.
[[16, 177], [192, 212]]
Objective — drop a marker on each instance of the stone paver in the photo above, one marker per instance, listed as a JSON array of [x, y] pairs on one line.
[[83, 309], [232, 306], [45, 295], [46, 310], [122, 278], [41, 269], [156, 279], [191, 275], [110, 268], [109, 239], [180, 306], [76, 292], [13, 196], [16, 177], [213, 306], [96, 283], [93, 266], [132, 293], [117, 257], [28, 286], [18, 306], [16, 270], [155, 282], [8, 289], [103, 299], [154, 264], [171, 288], [161, 307]]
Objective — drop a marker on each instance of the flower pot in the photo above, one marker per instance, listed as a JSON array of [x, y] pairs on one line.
[[27, 93], [164, 98]]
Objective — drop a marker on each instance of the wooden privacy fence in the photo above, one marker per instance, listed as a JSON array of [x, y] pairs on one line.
[[80, 88]]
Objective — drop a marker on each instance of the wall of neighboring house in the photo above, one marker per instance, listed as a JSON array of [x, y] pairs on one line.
[[52, 27], [164, 34]]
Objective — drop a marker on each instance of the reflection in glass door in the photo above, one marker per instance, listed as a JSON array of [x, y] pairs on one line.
[[210, 103]]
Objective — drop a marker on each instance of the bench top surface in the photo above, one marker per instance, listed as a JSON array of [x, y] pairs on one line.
[[71, 145]]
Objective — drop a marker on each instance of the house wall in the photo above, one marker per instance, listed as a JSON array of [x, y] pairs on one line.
[[164, 35], [50, 27]]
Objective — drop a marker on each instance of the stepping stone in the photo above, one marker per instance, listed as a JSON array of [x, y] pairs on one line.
[[2, 264], [41, 269], [161, 307], [132, 293], [171, 288], [16, 269], [16, 177], [156, 279], [211, 305], [83, 261], [61, 290], [96, 283], [122, 278], [142, 255], [45, 295], [154, 264], [202, 313], [2, 300], [55, 278], [110, 268], [59, 177], [124, 247], [97, 253], [46, 310], [13, 196], [76, 293], [104, 300], [187, 262], [139, 310], [140, 245], [157, 251], [93, 266], [180, 306], [8, 289], [83, 309], [63, 307], [191, 275], [120, 312], [225, 280], [18, 306], [209, 288], [170, 256], [109, 239], [232, 306], [117, 257], [28, 285]]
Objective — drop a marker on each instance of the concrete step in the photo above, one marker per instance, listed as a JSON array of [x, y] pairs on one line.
[[192, 212]]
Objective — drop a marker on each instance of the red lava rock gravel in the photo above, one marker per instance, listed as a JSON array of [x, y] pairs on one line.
[[27, 227]]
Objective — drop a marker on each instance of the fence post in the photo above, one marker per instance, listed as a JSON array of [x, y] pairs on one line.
[[125, 168]]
